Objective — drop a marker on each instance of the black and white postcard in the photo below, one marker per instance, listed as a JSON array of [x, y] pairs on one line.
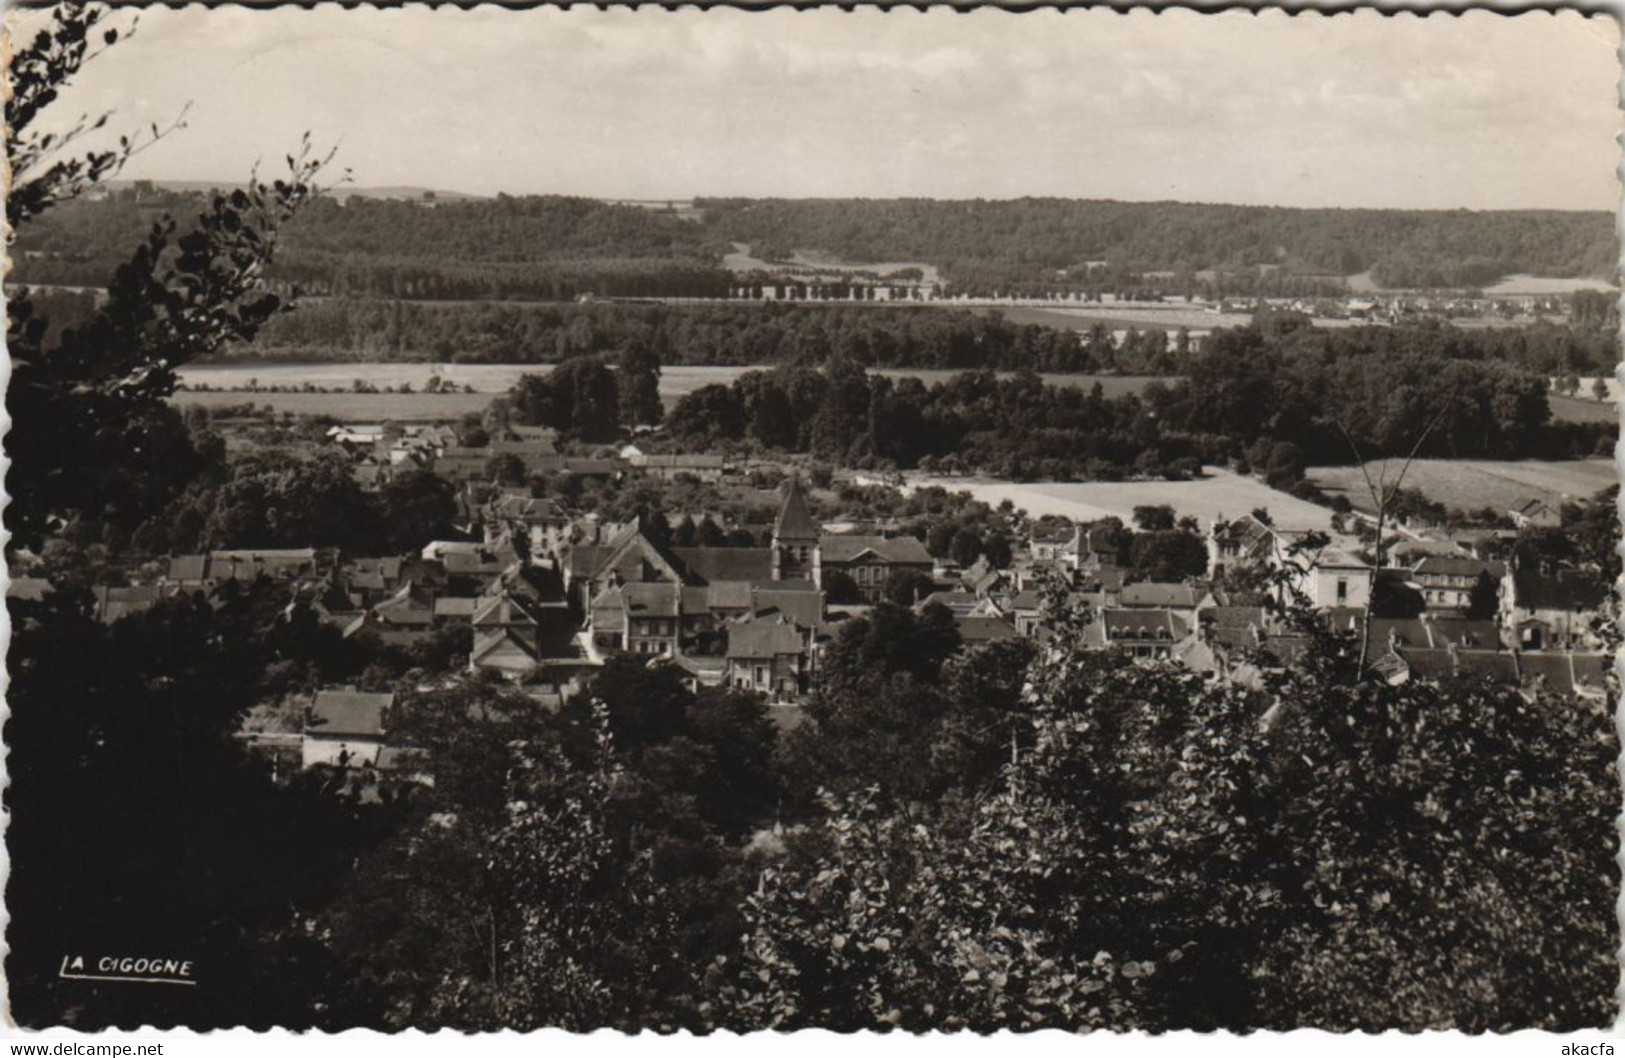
[[708, 521]]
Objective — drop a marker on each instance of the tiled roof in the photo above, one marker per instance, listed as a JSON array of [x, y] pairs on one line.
[[805, 608], [1232, 616], [763, 639], [1159, 595], [1458, 566], [1027, 599], [657, 599], [1159, 625], [608, 607], [708, 564], [900, 550], [501, 610], [953, 600], [409, 606], [729, 595], [500, 639]]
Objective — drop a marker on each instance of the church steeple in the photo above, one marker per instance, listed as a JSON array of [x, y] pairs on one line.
[[795, 537]]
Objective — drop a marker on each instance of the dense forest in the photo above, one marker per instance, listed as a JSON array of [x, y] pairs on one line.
[[925, 337], [1046, 244], [532, 248], [549, 247]]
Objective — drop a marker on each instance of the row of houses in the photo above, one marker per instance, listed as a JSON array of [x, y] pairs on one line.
[[1480, 615]]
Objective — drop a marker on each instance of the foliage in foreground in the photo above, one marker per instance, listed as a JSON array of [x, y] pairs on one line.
[[1174, 853]]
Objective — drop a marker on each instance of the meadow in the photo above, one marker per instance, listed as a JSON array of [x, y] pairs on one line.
[[1582, 409], [1471, 484], [236, 383], [1218, 493], [741, 261], [349, 407]]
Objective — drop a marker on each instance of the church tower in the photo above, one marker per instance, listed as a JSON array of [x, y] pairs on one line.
[[795, 538]]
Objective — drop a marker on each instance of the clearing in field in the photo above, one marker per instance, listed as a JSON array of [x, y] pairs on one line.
[[1472, 484], [740, 260], [1219, 493]]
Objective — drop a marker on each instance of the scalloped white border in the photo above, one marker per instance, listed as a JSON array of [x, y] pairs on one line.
[[818, 1043]]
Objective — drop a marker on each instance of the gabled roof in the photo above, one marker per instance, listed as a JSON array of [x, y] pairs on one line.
[[1232, 616], [707, 565], [628, 553], [348, 714], [954, 600], [1458, 566], [802, 605], [608, 608], [729, 595], [1157, 625], [897, 550], [1027, 599], [1151, 594], [793, 522], [763, 638], [499, 645], [410, 605], [501, 610], [655, 599]]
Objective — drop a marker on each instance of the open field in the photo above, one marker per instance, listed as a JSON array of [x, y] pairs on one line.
[[1582, 409], [1470, 484], [482, 378], [229, 384], [741, 261], [1509, 286], [350, 407], [1541, 286], [1219, 493]]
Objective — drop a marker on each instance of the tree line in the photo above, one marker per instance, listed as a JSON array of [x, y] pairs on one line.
[[557, 247], [987, 247], [877, 336], [1277, 395]]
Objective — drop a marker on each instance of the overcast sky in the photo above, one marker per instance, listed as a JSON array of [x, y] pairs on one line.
[[1483, 111]]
